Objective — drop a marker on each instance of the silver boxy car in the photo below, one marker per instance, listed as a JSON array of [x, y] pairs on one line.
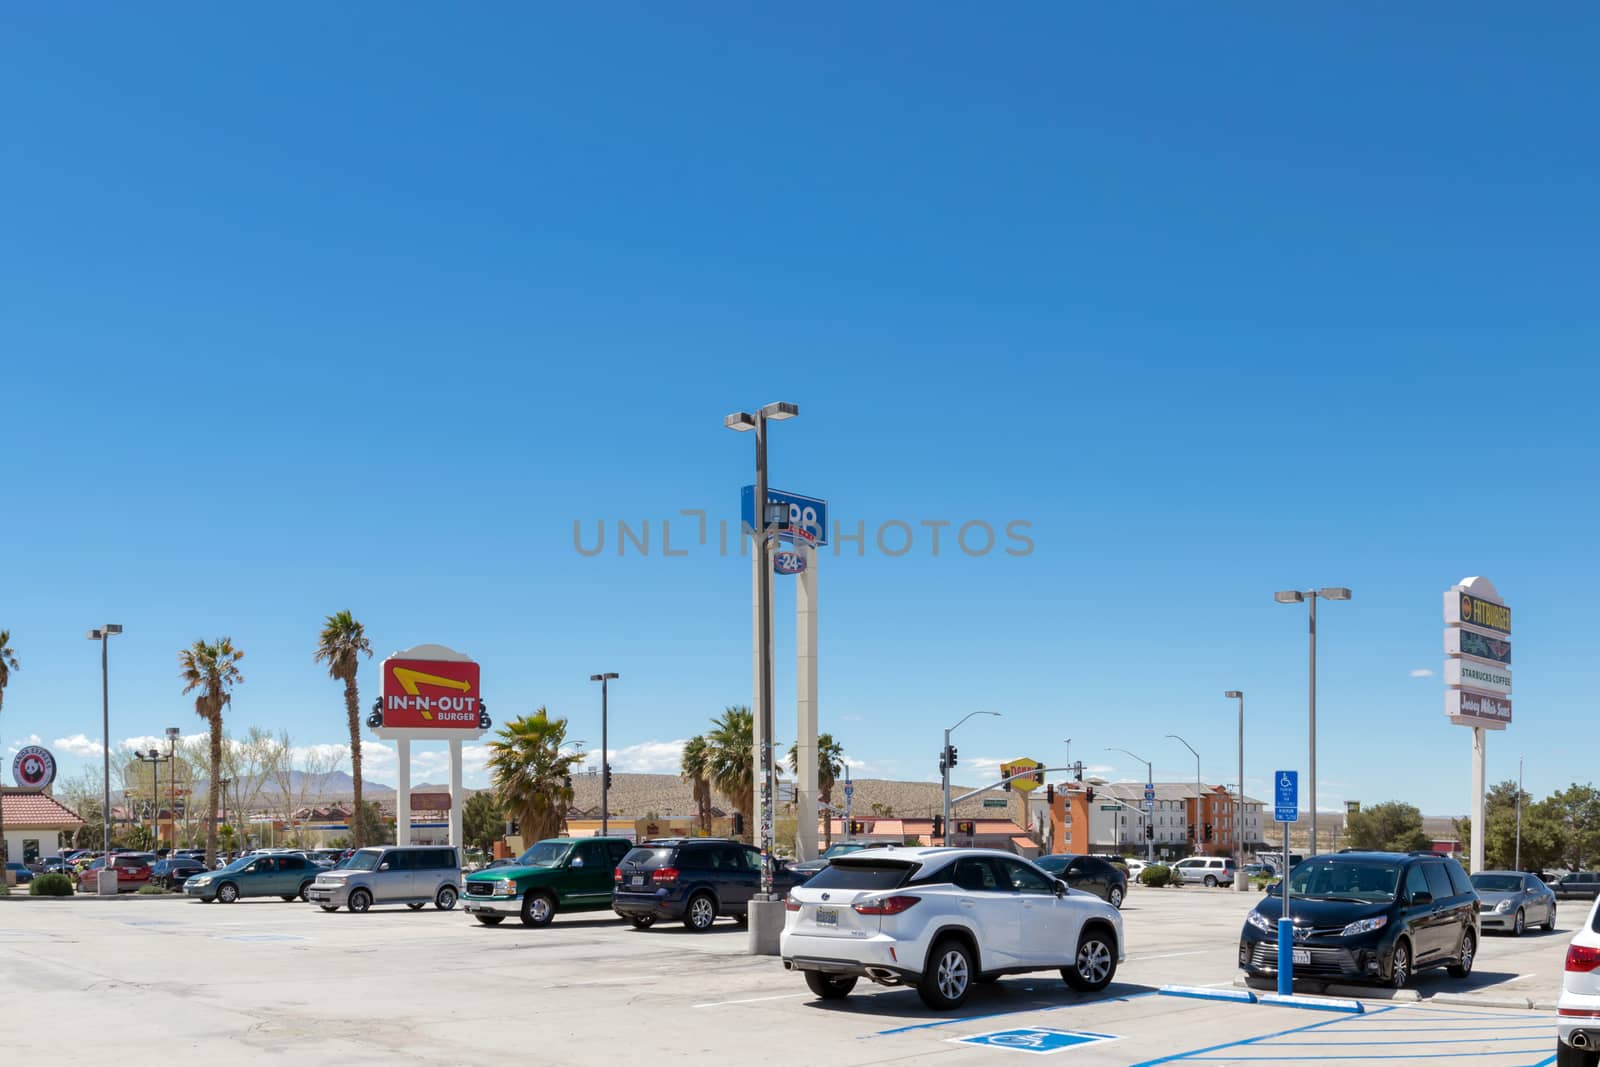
[[1513, 901], [413, 875], [1207, 870]]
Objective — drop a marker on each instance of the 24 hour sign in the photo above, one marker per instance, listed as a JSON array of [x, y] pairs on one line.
[[430, 694]]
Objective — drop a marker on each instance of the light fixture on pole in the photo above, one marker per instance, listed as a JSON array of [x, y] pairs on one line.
[[172, 797], [104, 634], [1311, 596], [744, 420], [155, 759], [1199, 796], [605, 757], [1238, 801], [1149, 781], [947, 759]]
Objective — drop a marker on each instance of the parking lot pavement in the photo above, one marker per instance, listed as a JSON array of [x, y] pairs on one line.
[[263, 977]]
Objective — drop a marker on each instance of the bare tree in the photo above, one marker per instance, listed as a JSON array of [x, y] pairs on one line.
[[251, 765], [302, 786]]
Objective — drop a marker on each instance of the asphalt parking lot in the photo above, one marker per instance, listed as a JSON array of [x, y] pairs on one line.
[[263, 978]]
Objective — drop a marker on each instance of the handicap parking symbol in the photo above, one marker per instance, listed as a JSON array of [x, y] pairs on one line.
[[1039, 1040]]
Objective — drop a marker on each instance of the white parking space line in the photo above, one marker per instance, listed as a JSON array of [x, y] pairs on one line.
[[1167, 955], [750, 1000]]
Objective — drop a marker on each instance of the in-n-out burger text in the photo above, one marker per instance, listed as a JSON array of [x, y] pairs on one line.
[[430, 694], [444, 709]]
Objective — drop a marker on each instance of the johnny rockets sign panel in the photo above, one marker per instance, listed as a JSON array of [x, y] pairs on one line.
[[429, 694]]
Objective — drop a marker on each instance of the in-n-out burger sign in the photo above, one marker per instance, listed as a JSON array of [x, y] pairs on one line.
[[430, 694]]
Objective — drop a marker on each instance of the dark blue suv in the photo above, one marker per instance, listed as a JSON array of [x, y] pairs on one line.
[[691, 879]]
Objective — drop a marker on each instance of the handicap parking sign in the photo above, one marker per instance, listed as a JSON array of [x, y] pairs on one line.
[[1039, 1040]]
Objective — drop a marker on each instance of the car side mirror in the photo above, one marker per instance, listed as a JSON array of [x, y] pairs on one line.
[[1061, 888], [577, 861], [1419, 899], [383, 866]]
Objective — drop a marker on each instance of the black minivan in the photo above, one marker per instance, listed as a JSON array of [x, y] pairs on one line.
[[692, 879], [1368, 916]]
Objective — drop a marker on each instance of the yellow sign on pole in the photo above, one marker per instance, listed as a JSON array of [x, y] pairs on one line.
[[1018, 766]]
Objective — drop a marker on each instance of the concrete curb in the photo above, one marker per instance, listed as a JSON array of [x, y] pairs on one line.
[[1349, 1007], [1203, 993], [1482, 1001], [1334, 989]]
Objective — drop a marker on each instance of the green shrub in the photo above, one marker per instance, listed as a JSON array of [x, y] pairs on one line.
[[151, 891], [1155, 876], [50, 885], [5, 890]]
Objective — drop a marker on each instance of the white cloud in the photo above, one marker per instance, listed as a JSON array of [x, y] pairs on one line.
[[1422, 672], [646, 757], [31, 739], [79, 745]]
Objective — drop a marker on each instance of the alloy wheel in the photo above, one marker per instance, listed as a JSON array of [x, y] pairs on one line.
[[1400, 974], [953, 975], [1520, 924], [1094, 961], [701, 912]]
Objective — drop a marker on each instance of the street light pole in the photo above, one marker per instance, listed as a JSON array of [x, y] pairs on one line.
[[103, 634], [1238, 800], [1149, 779], [605, 758], [743, 420], [172, 796], [944, 765], [1292, 596], [1199, 796], [1517, 863], [155, 759]]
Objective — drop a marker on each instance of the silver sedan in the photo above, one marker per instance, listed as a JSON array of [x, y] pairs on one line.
[[1514, 901]]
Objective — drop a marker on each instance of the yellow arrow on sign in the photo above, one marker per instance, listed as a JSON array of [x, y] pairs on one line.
[[409, 678]]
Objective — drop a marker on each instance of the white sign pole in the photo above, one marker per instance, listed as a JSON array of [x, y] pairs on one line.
[[1479, 760], [805, 638], [402, 799]]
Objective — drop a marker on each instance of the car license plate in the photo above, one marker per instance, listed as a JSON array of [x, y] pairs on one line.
[[1302, 955], [827, 917], [638, 879]]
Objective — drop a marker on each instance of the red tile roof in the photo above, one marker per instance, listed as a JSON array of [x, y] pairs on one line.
[[26, 811]]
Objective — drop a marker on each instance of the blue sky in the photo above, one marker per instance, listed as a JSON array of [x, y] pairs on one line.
[[321, 309]]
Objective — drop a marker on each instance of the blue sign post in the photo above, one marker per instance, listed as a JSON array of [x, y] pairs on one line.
[[1286, 809]]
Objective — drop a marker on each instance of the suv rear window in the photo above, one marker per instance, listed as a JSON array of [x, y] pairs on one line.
[[648, 857], [845, 875]]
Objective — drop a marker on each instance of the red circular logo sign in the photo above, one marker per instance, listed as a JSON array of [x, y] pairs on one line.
[[34, 767]]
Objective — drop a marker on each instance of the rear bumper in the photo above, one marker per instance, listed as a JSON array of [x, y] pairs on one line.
[[661, 904], [1578, 1020], [883, 959]]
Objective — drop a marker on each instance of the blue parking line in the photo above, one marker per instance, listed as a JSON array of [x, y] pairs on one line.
[[1407, 1058], [1200, 1053], [1003, 1014]]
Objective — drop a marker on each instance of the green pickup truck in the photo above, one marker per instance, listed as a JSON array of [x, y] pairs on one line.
[[561, 874]]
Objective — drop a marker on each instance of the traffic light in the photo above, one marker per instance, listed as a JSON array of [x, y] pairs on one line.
[[1208, 831], [738, 824], [608, 776], [1149, 832], [950, 756], [857, 826], [1038, 776], [1088, 794], [1050, 794], [966, 826], [938, 826], [1005, 783], [1077, 772], [1191, 833]]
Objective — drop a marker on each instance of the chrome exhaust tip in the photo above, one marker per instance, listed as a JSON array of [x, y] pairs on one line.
[[1580, 1039]]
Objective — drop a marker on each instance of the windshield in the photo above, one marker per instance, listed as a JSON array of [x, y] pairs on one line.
[[1497, 883], [1333, 879], [365, 860], [241, 862], [545, 854], [1053, 864]]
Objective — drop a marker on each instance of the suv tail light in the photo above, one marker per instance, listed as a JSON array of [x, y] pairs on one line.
[[1582, 958], [616, 875], [665, 876], [887, 906], [790, 904]]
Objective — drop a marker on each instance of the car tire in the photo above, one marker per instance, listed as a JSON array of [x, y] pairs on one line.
[[700, 912], [1211, 882], [360, 900], [305, 890], [490, 920], [1550, 923], [1094, 964], [1400, 965], [1114, 898], [829, 987], [207, 900], [1519, 924], [986, 979], [287, 897], [415, 907], [538, 908], [445, 898], [1567, 1056], [1469, 951], [947, 977], [642, 922], [227, 892], [329, 907]]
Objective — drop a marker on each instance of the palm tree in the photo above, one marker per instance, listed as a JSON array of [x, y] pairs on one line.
[[340, 645], [214, 670], [532, 775], [695, 769], [8, 663], [730, 761], [830, 765]]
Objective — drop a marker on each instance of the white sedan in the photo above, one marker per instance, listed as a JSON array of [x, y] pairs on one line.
[[942, 919]]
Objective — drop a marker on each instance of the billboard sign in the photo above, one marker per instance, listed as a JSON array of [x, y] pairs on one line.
[[806, 513], [1471, 675], [1466, 707], [1020, 766], [33, 767], [1462, 608], [430, 694], [1460, 641]]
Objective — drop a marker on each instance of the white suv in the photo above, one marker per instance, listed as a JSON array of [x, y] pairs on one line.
[[1578, 1010], [942, 918], [1208, 870]]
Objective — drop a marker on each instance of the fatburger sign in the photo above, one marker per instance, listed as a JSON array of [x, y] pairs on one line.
[[34, 767], [430, 694]]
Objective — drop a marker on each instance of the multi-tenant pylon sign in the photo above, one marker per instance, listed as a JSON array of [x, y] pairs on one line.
[[428, 693], [1477, 678]]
